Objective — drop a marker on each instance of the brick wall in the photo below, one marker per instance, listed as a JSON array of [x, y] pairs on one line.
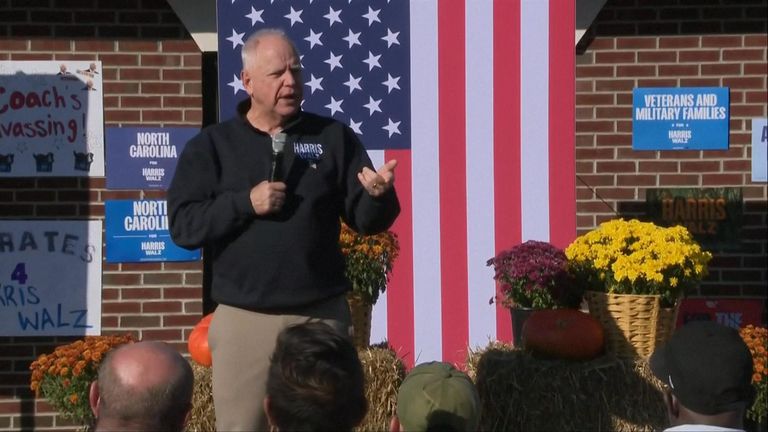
[[640, 43], [152, 77]]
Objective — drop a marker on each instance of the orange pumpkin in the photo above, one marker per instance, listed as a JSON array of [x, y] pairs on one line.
[[198, 342], [563, 333]]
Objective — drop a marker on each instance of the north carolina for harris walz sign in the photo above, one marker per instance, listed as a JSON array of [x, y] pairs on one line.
[[713, 216]]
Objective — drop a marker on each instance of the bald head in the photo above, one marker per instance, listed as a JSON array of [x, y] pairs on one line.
[[145, 385]]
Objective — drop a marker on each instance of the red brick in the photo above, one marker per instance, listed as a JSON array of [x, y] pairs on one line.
[[182, 101], [162, 278], [679, 42], [720, 41], [680, 154], [110, 294], [140, 321], [120, 307], [138, 74], [181, 74], [31, 56], [121, 279], [585, 166], [602, 43], [140, 101], [721, 69], [182, 293], [193, 88], [584, 113], [195, 307], [594, 126], [615, 166], [13, 45], [678, 70], [193, 279], [748, 83], [700, 166], [747, 110], [699, 56], [55, 210], [160, 60], [594, 153], [192, 60], [109, 322], [614, 140], [111, 101], [122, 116], [624, 126], [140, 293], [635, 71], [657, 166], [598, 179], [113, 60], [180, 320], [754, 192], [660, 82], [120, 194], [193, 116], [614, 85], [743, 55], [755, 68], [160, 88], [95, 45], [615, 57], [137, 46], [583, 194], [636, 43], [162, 306], [121, 88], [594, 99], [585, 140], [613, 112], [584, 86], [722, 180], [678, 180], [700, 82], [616, 193], [656, 56], [35, 195], [49, 45], [593, 207], [635, 180], [594, 71], [161, 116], [737, 165], [756, 97], [188, 45], [755, 40]]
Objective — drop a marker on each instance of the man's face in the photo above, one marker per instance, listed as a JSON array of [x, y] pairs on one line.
[[272, 78]]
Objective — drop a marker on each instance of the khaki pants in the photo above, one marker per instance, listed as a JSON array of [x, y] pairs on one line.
[[241, 344]]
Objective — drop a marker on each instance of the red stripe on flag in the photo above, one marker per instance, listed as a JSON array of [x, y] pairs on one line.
[[506, 137], [562, 170], [453, 186], [400, 328]]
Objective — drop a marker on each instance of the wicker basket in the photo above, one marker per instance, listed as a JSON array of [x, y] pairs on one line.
[[635, 325], [361, 320]]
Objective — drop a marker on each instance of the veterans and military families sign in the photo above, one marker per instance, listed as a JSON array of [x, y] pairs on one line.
[[144, 158], [693, 118], [51, 119], [50, 272]]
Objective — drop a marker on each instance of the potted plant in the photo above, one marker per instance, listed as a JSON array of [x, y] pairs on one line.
[[64, 376], [533, 275], [634, 274], [756, 339], [369, 261]]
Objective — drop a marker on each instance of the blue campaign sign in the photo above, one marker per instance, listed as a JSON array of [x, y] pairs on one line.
[[687, 118], [144, 157], [137, 231]]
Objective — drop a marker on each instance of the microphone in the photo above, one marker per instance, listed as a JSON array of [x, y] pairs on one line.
[[278, 145]]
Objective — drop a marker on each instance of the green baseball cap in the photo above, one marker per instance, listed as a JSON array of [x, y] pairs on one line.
[[435, 395]]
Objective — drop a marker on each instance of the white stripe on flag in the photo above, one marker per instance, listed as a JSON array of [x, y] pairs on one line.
[[480, 178], [427, 303], [534, 124], [379, 313]]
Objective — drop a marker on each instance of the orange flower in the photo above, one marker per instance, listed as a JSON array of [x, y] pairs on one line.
[[73, 398]]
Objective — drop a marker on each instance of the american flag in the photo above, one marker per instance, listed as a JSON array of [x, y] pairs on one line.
[[475, 99]]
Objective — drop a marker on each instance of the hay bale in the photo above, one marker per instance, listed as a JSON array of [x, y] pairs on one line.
[[202, 417], [520, 392], [384, 372]]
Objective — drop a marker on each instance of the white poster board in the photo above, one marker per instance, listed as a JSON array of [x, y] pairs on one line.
[[50, 272], [759, 150], [51, 119]]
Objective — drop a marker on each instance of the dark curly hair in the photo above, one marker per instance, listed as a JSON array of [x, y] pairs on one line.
[[315, 380]]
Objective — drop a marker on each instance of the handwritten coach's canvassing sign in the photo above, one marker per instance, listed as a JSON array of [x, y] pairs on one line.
[[144, 158], [51, 119], [693, 118], [137, 231], [50, 272]]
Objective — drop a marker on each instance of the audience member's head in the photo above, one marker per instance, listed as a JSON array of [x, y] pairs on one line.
[[144, 386], [315, 381], [436, 396], [708, 370]]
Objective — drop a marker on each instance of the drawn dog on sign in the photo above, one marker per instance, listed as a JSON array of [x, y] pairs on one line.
[[6, 162], [83, 161], [43, 162]]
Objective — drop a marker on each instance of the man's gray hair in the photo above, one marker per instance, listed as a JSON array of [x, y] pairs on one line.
[[249, 47]]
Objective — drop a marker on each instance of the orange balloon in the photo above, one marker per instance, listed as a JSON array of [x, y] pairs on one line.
[[198, 342]]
